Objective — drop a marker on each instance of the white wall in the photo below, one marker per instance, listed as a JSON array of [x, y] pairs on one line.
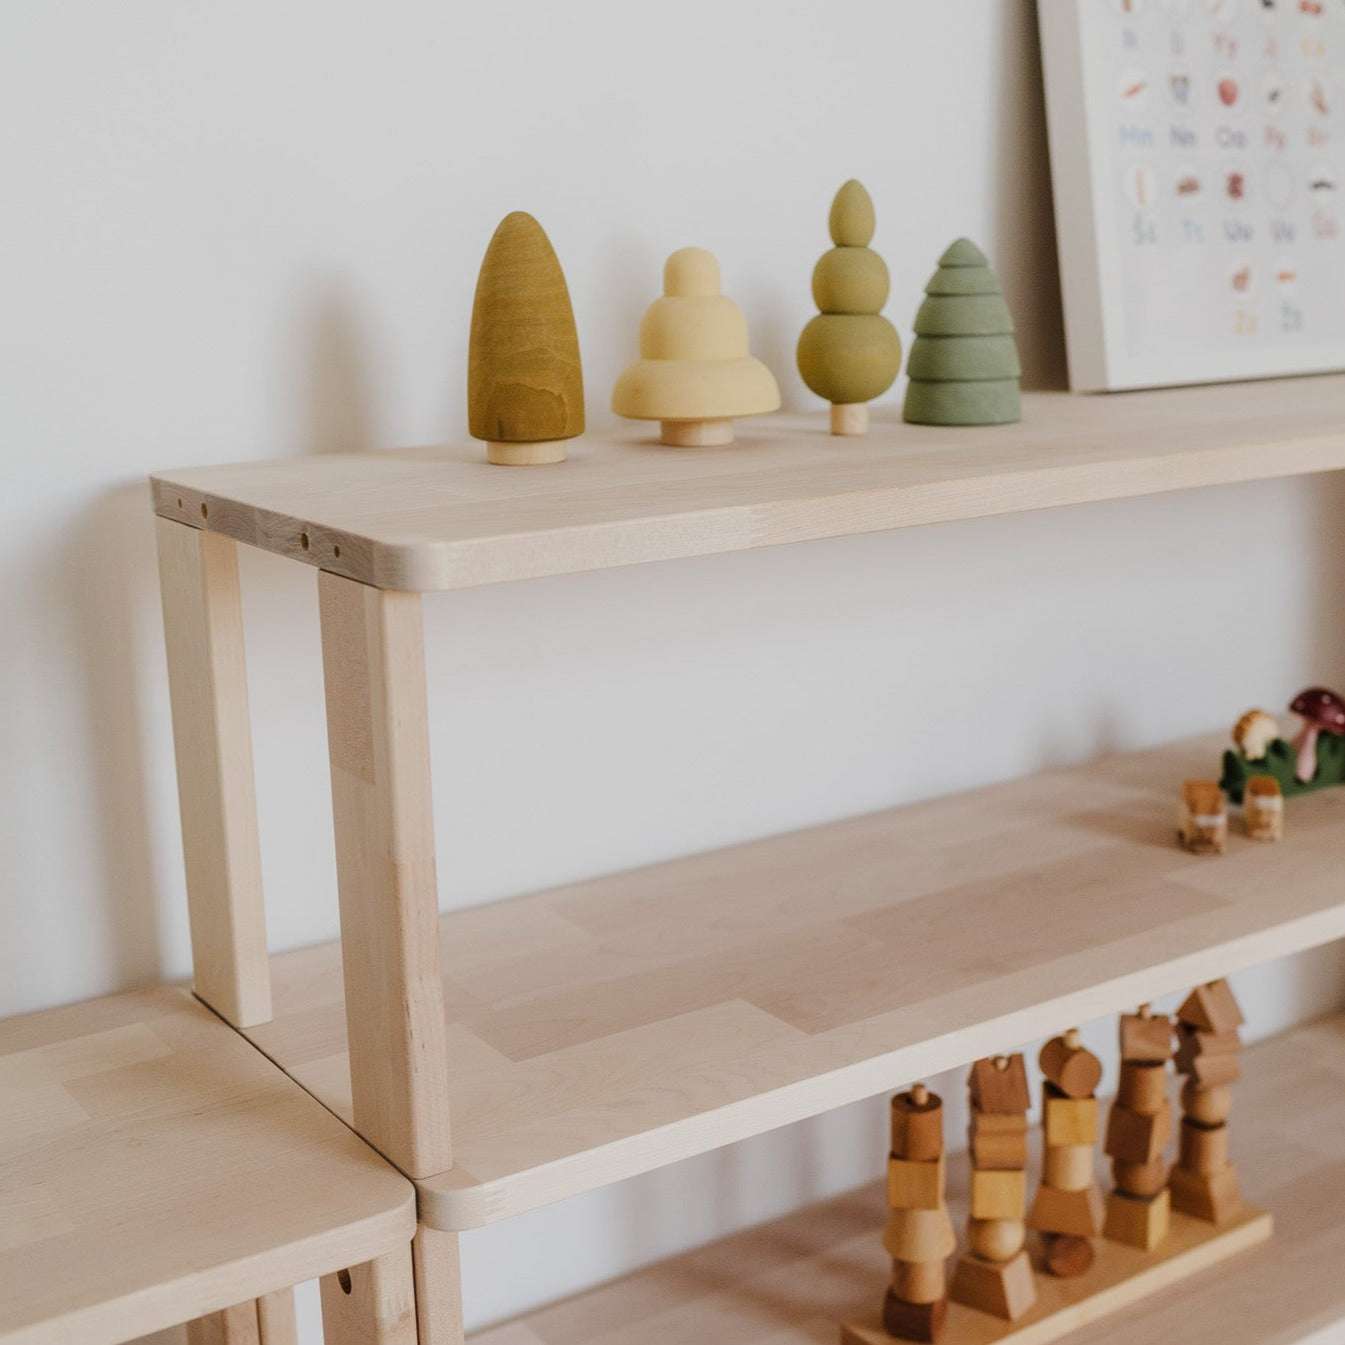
[[252, 230]]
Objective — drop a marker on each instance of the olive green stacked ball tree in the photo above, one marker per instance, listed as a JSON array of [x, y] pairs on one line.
[[525, 387], [964, 365], [849, 353]]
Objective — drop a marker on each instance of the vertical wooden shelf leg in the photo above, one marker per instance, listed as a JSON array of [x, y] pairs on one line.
[[438, 1287], [237, 1325], [212, 737], [275, 1318], [378, 739], [371, 1304]]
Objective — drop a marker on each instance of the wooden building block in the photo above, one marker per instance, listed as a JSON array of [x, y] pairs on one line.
[[999, 1085], [913, 1185], [1136, 1221], [1146, 1037], [1070, 1066], [917, 1125], [1004, 1289], [1203, 1148], [1213, 1197], [919, 1235], [1140, 1179], [996, 1239], [1138, 1137], [1143, 1085], [998, 1195], [1208, 1057], [997, 1141], [1194, 1041], [1078, 1213], [1069, 1167], [1068, 1120], [1211, 1008], [1065, 1255], [1207, 1103], [1202, 818], [913, 1321], [920, 1281], [1263, 808]]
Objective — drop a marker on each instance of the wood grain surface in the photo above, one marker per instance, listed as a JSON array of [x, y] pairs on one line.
[[608, 1028], [440, 518]]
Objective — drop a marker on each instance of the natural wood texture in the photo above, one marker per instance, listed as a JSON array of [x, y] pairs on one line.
[[920, 1281], [608, 1028], [438, 1273], [439, 518], [525, 385], [998, 1086], [915, 1185], [275, 1318], [154, 1168], [1003, 1289], [236, 1325], [371, 1304], [1069, 1167], [1138, 1221], [374, 669], [917, 1125], [849, 418], [1074, 1070], [1066, 1255], [1211, 1008], [1202, 818], [212, 737], [1215, 1197], [1068, 1120], [539, 454], [998, 1194]]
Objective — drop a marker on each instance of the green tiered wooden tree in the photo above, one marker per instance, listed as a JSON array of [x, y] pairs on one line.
[[964, 365], [849, 353]]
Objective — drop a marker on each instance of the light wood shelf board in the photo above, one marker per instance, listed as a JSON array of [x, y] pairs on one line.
[[442, 518], [608, 1028], [793, 1281], [155, 1168]]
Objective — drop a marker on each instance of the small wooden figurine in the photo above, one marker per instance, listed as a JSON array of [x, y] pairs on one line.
[[1202, 818], [1263, 808], [1067, 1210], [1204, 1184], [1314, 759], [919, 1236], [849, 353], [995, 1275], [694, 374], [964, 366], [1138, 1130], [525, 387]]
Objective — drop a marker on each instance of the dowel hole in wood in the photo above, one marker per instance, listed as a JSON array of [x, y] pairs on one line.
[[303, 540], [336, 551], [343, 1279], [205, 513], [179, 504]]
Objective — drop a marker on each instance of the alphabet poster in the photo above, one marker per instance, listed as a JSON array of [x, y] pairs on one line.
[[1196, 153]]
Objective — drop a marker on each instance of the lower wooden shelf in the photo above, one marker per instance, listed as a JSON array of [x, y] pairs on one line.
[[793, 1281]]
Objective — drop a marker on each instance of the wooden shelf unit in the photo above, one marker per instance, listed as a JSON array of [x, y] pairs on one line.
[[791, 1281]]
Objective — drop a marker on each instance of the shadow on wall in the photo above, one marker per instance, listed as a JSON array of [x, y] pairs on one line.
[[1326, 590], [339, 418]]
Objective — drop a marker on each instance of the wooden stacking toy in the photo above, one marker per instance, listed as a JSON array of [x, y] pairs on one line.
[[919, 1236], [1204, 1184], [1138, 1130], [849, 353], [1263, 808], [1202, 818], [525, 386], [694, 375], [964, 366], [1067, 1210], [995, 1275]]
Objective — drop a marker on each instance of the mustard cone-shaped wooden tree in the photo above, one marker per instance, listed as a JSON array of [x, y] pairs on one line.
[[525, 386], [694, 374], [849, 353], [964, 367]]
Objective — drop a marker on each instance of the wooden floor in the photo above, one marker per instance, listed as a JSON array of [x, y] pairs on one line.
[[793, 1281], [442, 518], [154, 1168], [608, 1028]]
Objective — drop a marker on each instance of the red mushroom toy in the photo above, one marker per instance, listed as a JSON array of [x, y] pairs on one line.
[[1322, 711]]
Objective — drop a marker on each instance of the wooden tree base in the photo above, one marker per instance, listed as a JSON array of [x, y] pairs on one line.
[[695, 433], [849, 417], [526, 455], [1118, 1278]]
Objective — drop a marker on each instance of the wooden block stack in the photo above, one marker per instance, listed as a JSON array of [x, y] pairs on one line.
[[996, 1273], [1204, 1184], [1067, 1210], [1202, 818], [919, 1236], [1263, 808], [1138, 1131]]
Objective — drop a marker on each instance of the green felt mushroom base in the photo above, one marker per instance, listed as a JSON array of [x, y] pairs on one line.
[[991, 401], [1280, 763]]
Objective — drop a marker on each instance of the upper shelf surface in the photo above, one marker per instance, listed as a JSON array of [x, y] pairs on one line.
[[442, 518], [605, 1029]]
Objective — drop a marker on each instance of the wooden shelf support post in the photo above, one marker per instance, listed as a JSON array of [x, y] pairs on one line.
[[378, 741], [212, 738], [371, 1304]]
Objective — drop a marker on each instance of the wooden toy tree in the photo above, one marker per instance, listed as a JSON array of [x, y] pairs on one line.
[[996, 1273], [694, 374], [1067, 1210], [1138, 1131], [849, 353], [964, 366], [525, 386]]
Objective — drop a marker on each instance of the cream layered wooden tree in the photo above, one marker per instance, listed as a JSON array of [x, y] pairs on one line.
[[694, 374], [849, 353], [525, 386]]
